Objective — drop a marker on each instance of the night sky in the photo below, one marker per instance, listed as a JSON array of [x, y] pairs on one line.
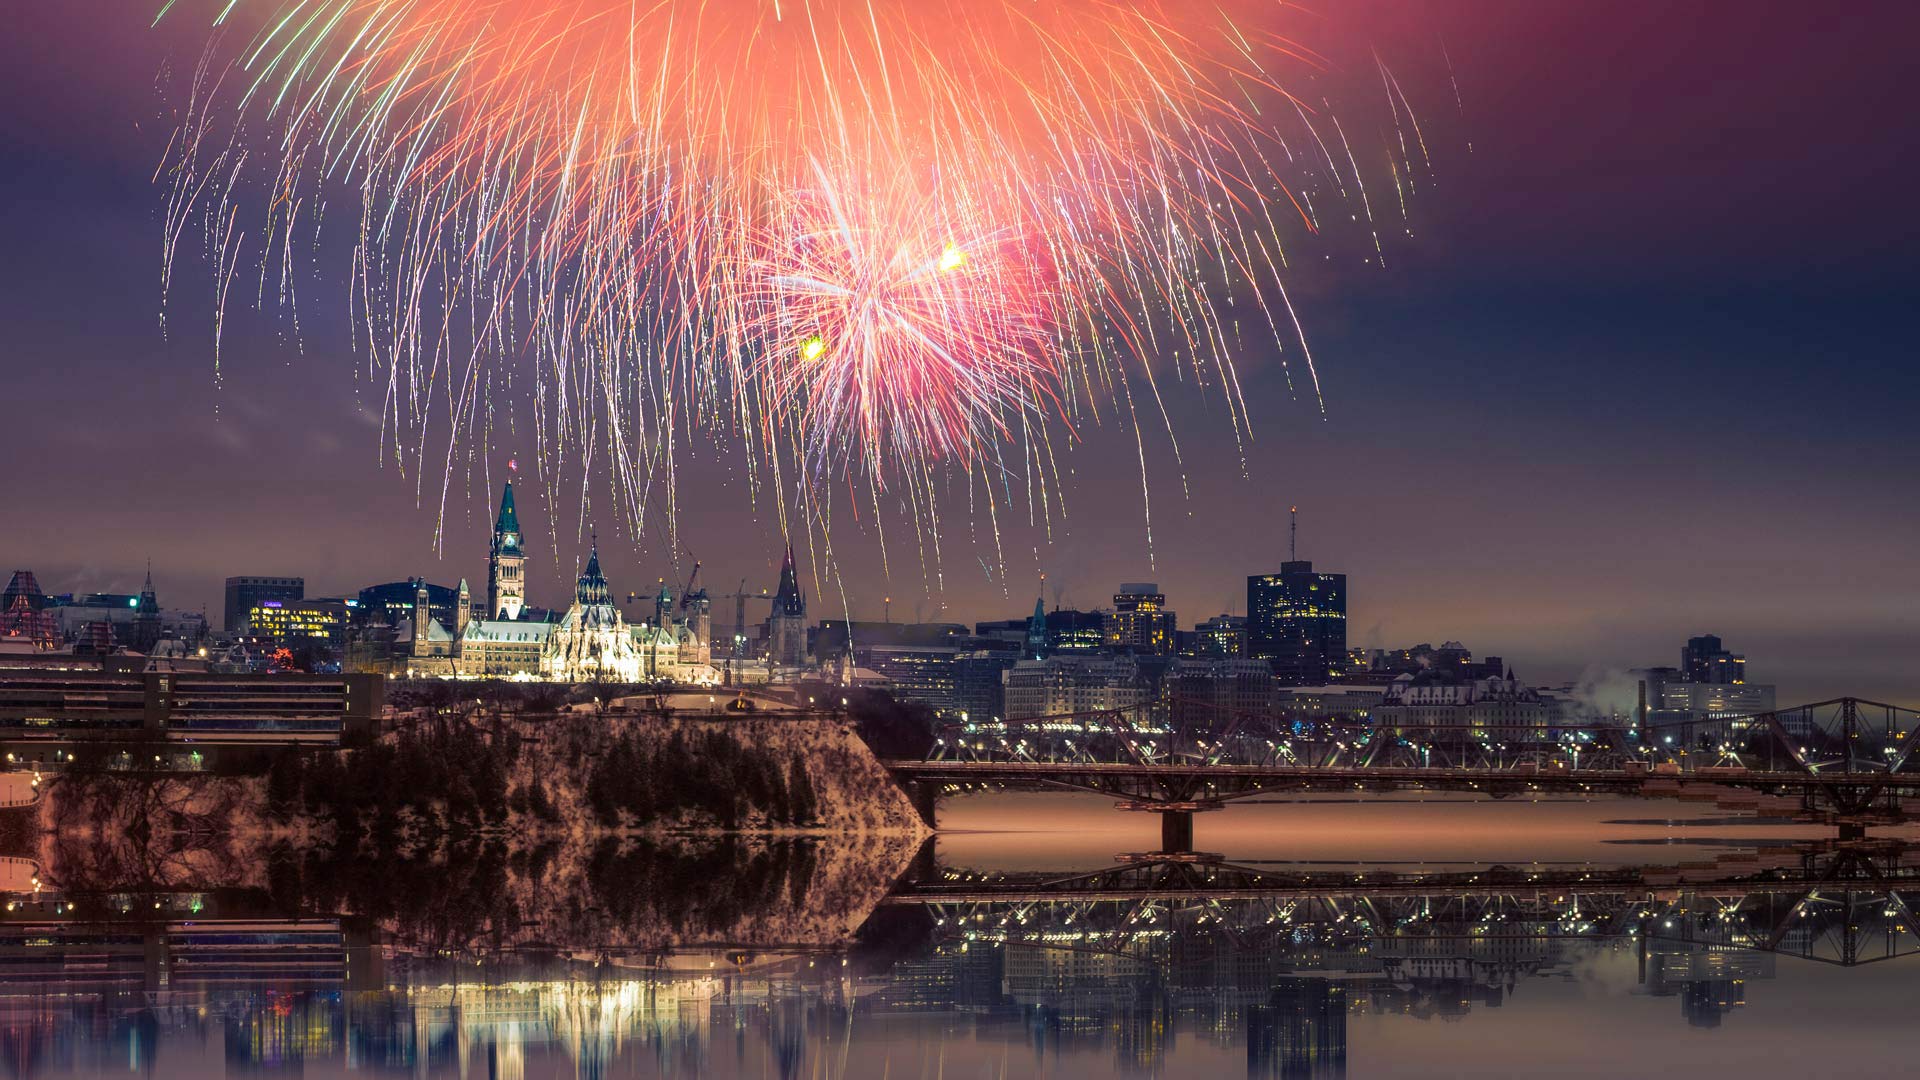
[[1644, 370]]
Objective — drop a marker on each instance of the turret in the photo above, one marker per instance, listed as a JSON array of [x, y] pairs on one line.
[[592, 588], [422, 616], [146, 622]]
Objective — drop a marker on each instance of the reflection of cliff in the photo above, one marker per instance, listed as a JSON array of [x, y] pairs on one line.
[[469, 799], [628, 898], [631, 896], [127, 830]]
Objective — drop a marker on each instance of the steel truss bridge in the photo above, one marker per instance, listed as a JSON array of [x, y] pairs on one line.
[[1846, 905], [1846, 762]]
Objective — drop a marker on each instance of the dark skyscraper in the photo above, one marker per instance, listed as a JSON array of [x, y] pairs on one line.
[[1301, 1032], [1705, 660], [1297, 621]]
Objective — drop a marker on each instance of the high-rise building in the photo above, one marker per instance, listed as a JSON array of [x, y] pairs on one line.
[[1705, 660], [506, 563], [1140, 620], [1222, 636], [1297, 621], [923, 673], [980, 681], [246, 593], [1300, 1032]]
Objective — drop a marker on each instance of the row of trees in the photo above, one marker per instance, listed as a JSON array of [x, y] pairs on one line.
[[448, 771], [639, 779], [702, 892], [449, 895]]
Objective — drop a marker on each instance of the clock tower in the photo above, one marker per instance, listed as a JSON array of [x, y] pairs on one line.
[[506, 565]]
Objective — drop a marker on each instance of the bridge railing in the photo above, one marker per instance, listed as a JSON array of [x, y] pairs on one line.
[[1846, 736]]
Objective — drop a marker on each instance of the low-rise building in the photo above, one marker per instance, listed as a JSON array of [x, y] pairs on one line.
[[1063, 685], [1435, 705], [1335, 701], [1209, 694], [321, 623]]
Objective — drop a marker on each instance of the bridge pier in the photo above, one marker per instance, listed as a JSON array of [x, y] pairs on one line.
[[1176, 821], [1852, 830], [1176, 830], [925, 796]]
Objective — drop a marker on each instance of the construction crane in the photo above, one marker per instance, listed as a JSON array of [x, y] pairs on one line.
[[740, 598], [686, 590]]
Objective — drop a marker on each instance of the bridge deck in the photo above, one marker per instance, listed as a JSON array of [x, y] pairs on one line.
[[1044, 772]]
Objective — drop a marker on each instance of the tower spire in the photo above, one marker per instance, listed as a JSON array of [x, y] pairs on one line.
[[1293, 533], [787, 597], [1037, 625], [506, 564]]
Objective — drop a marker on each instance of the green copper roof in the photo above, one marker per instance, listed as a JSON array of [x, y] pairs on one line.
[[507, 524], [592, 588]]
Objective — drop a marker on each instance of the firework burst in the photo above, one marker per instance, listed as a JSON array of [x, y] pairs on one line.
[[889, 329], [870, 244]]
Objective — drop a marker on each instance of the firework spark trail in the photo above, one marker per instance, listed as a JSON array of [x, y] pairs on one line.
[[867, 243]]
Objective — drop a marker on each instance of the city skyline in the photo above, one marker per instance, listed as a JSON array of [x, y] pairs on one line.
[[1070, 538], [1571, 461]]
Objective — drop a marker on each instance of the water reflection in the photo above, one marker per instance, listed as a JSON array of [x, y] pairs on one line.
[[1146, 967]]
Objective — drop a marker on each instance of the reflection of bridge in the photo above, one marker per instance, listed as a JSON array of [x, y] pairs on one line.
[[1274, 957], [1845, 762], [1846, 905]]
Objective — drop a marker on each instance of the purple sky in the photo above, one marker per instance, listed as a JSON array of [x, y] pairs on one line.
[[1643, 371]]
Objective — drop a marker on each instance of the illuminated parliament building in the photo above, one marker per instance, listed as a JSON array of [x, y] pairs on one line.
[[590, 642]]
